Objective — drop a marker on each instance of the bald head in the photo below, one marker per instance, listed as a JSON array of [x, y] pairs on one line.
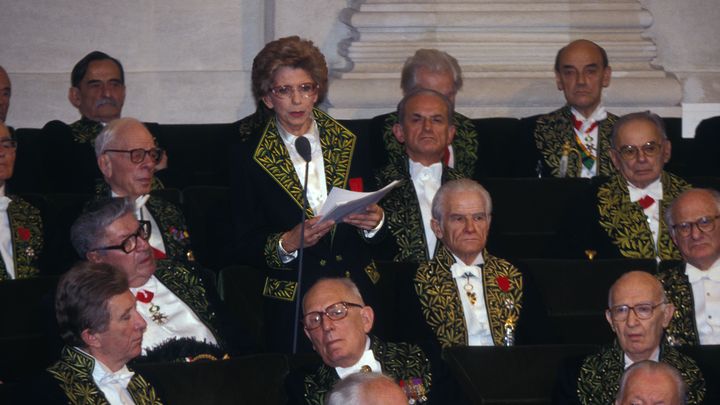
[[367, 389], [693, 221], [650, 382], [633, 279], [5, 93]]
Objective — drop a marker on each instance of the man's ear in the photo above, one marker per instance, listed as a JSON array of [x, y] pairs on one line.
[[451, 133], [615, 158], [90, 339], [93, 257], [436, 228], [609, 319], [398, 132], [268, 102], [105, 165], [607, 75], [558, 81], [668, 314], [74, 96], [667, 150], [368, 317]]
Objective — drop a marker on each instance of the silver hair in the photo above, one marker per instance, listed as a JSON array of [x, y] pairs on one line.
[[667, 215], [438, 202], [653, 367], [88, 231], [350, 390], [647, 116], [416, 92], [111, 131], [345, 281], [433, 60]]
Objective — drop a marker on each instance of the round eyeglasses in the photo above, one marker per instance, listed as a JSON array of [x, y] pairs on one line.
[[631, 152], [642, 311], [8, 143], [138, 155], [335, 312], [305, 90], [703, 224], [129, 244]]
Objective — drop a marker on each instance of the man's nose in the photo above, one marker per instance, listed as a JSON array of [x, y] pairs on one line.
[[326, 323]]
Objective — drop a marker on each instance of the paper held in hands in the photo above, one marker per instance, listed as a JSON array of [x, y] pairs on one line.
[[341, 203]]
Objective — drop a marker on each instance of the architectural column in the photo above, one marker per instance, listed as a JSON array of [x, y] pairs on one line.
[[506, 50]]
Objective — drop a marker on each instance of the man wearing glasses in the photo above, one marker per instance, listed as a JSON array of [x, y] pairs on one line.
[[172, 297], [625, 216], [638, 312], [338, 323], [128, 157], [21, 226], [694, 285]]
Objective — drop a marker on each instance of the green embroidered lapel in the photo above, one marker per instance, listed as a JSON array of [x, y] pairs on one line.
[[465, 143], [598, 381], [554, 129], [85, 131], [26, 233], [74, 375], [683, 327], [626, 223], [439, 300], [402, 212], [188, 287], [503, 288], [318, 384], [338, 146], [171, 222]]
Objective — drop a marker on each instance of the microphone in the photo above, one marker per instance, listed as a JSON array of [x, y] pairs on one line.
[[302, 145]]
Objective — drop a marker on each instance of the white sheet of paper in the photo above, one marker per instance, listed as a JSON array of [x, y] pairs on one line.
[[341, 203]]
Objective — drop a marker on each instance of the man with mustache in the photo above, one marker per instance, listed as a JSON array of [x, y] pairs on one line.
[[98, 92], [581, 129]]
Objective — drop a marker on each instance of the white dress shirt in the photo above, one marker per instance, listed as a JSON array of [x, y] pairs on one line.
[[6, 248], [427, 180], [112, 384], [476, 316], [589, 139], [652, 213], [367, 359], [655, 356], [706, 296], [181, 320]]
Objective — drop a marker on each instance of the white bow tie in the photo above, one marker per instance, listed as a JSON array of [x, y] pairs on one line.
[[140, 201], [4, 202], [695, 275], [654, 190], [121, 377], [460, 269]]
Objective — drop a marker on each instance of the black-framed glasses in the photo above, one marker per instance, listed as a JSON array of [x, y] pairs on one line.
[[129, 244], [642, 311], [704, 224], [306, 90], [8, 143], [335, 312], [138, 155], [631, 152]]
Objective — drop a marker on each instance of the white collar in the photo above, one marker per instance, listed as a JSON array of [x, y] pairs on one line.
[[459, 268], [654, 190], [312, 135], [367, 359], [655, 356], [417, 169], [694, 274], [2, 190], [598, 115]]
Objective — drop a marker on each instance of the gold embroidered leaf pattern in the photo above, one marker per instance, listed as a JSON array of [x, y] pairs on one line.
[[682, 329], [554, 129], [26, 220]]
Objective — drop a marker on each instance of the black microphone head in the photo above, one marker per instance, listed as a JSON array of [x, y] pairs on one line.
[[302, 145]]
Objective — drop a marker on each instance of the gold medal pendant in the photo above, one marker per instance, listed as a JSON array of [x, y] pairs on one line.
[[469, 290], [157, 316]]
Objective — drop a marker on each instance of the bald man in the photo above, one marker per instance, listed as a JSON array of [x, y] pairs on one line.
[[638, 312], [367, 389], [649, 382], [581, 129]]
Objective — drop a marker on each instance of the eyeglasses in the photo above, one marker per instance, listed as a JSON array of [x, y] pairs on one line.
[[704, 224], [642, 311], [138, 155], [129, 244], [630, 152], [336, 312], [306, 90], [8, 143]]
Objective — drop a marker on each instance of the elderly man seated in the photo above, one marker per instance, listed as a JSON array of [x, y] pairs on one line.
[[21, 226], [127, 157], [574, 140], [651, 382], [638, 312], [338, 323], [103, 331], [625, 217], [693, 286], [172, 297], [425, 129], [466, 295]]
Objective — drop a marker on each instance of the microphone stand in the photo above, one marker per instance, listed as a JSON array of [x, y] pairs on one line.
[[303, 148]]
